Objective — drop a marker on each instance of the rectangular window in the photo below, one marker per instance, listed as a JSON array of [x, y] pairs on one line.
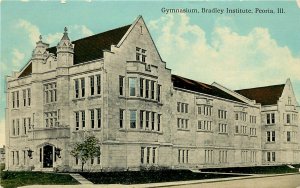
[[270, 136], [18, 160], [138, 54], [158, 92], [41, 154], [77, 120], [158, 122], [17, 94], [92, 113], [13, 99], [132, 83], [152, 89], [273, 118], [152, 120], [153, 155], [82, 87], [148, 155], [99, 117], [288, 118], [273, 156], [13, 128], [288, 136], [76, 160], [83, 119], [18, 127], [273, 136], [29, 123], [142, 155], [143, 55], [99, 157], [92, 160], [132, 118], [147, 89], [29, 96], [98, 83], [179, 151], [121, 85], [92, 86], [24, 97], [141, 119], [24, 126], [147, 119], [76, 89], [141, 87], [121, 118]]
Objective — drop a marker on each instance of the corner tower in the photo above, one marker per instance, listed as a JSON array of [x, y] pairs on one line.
[[65, 51]]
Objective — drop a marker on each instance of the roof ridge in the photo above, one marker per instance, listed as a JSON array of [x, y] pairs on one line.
[[191, 80], [259, 87], [102, 33]]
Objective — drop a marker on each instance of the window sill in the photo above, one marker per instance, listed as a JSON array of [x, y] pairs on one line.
[[271, 124], [224, 133], [253, 135], [94, 96], [140, 130], [240, 134], [87, 130], [270, 142], [206, 131], [292, 125], [182, 129], [78, 99], [15, 109]]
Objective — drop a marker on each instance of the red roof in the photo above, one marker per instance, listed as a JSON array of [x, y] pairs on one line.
[[268, 95]]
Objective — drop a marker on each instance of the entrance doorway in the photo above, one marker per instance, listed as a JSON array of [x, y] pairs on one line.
[[48, 156]]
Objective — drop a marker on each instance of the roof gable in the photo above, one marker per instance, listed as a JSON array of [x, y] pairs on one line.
[[91, 48], [27, 71], [192, 85], [267, 95]]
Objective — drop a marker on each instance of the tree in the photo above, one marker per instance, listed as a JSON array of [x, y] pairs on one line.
[[85, 150]]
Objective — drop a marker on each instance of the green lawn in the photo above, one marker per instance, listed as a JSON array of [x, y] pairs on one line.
[[15, 179], [151, 176], [282, 169]]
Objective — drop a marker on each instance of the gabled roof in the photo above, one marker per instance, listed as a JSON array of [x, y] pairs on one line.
[[91, 48], [267, 95], [27, 71], [192, 85]]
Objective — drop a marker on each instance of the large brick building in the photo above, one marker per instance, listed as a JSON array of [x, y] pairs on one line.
[[114, 85]]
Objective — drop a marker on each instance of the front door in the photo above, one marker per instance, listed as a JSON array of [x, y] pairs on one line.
[[48, 156]]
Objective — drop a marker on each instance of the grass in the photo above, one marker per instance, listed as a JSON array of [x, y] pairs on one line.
[[141, 177], [255, 170], [16, 179]]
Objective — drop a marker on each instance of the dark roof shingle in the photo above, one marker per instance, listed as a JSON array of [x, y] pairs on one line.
[[91, 48], [268, 95], [192, 85]]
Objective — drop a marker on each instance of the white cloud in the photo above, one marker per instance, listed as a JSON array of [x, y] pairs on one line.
[[53, 39], [31, 29], [24, 0], [232, 59], [33, 32], [2, 132], [17, 58], [80, 31]]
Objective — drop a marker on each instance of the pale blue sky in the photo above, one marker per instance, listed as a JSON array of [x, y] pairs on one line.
[[236, 50]]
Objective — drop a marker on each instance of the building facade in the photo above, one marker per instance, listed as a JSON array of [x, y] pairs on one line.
[[115, 86]]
